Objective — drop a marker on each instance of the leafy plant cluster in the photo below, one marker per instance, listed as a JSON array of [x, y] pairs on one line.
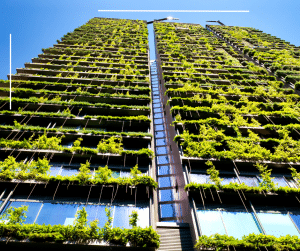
[[39, 170], [276, 54], [215, 144], [80, 232], [214, 106], [111, 145], [78, 85], [266, 184], [36, 100], [76, 60], [250, 242], [29, 91], [67, 130]]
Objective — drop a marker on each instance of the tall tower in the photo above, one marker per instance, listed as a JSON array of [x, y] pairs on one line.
[[236, 130], [221, 116], [80, 135]]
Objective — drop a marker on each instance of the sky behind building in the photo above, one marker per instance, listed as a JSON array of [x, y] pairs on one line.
[[38, 24]]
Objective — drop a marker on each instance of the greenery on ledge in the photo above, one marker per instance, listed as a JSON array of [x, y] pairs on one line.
[[250, 242], [233, 187], [265, 186], [111, 145], [215, 144], [37, 170], [42, 100], [18, 126], [80, 232]]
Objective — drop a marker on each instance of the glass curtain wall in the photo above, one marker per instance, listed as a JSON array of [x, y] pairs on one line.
[[44, 212]]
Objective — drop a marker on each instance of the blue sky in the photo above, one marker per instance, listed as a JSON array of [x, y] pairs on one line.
[[37, 24]]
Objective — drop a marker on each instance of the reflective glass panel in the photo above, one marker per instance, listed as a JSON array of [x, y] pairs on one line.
[[69, 172], [277, 224], [143, 216], [54, 170], [210, 222], [296, 219], [239, 224], [95, 212], [166, 195], [125, 174], [121, 216], [280, 182], [54, 214], [162, 160], [249, 181], [227, 180], [167, 210], [199, 178], [164, 182], [163, 170]]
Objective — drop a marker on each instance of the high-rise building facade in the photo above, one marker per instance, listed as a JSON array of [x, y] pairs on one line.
[[236, 124], [221, 116], [79, 135]]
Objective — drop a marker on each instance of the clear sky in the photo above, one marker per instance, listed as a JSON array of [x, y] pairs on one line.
[[37, 24]]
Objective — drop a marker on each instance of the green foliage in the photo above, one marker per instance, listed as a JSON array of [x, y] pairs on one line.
[[103, 174], [213, 173], [295, 174], [10, 169], [249, 242], [84, 176], [134, 172], [110, 145], [265, 174], [133, 218], [108, 224], [43, 142], [81, 231], [15, 215], [41, 166]]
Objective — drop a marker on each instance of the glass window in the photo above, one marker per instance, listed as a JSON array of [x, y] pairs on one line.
[[96, 212], [158, 127], [158, 115], [121, 216], [249, 181], [166, 195], [161, 142], [281, 182], [164, 182], [239, 223], [69, 171], [161, 160], [53, 214], [143, 216], [125, 174], [54, 170], [226, 180], [167, 210], [199, 178], [296, 218], [159, 134], [163, 170], [210, 222], [161, 150], [277, 224]]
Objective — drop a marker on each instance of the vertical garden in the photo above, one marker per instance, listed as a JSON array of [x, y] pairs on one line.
[[79, 135], [237, 132]]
